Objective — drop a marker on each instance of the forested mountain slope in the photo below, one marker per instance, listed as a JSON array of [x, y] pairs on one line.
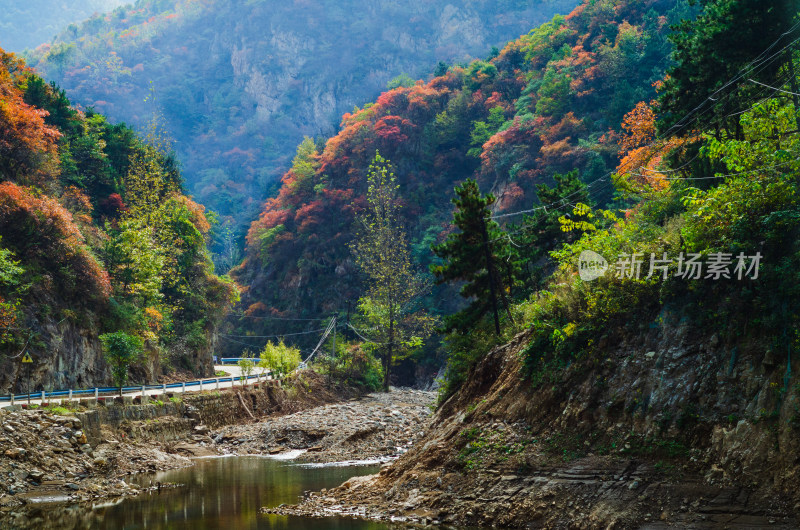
[[241, 82], [650, 379], [98, 245], [30, 23], [549, 102]]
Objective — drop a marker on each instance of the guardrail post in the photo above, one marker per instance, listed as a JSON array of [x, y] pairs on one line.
[[164, 391], [42, 397], [183, 388], [70, 395], [143, 395], [12, 399], [201, 385], [96, 394], [217, 381]]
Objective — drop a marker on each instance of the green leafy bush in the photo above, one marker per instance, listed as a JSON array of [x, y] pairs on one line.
[[353, 366], [279, 359]]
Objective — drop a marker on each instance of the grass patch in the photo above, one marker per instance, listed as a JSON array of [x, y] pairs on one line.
[[486, 447]]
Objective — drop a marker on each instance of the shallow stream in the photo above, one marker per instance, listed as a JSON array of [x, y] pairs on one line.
[[217, 493]]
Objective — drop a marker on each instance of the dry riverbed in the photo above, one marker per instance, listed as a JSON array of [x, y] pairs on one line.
[[375, 427], [46, 457]]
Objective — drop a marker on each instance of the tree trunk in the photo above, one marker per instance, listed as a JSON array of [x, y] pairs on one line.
[[490, 272], [387, 363]]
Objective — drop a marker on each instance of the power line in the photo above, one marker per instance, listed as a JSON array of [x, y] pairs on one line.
[[240, 342], [742, 72], [274, 336], [363, 337], [328, 330], [773, 88], [280, 318], [719, 176]]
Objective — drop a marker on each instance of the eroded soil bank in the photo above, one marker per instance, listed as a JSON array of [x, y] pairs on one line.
[[665, 434], [83, 456]]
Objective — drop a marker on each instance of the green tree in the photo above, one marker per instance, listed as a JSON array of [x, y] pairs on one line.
[[148, 182], [539, 234], [403, 80], [712, 49], [279, 359], [121, 351], [393, 289], [135, 261], [473, 255], [246, 366]]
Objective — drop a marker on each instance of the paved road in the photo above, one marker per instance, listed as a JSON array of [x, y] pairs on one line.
[[208, 385]]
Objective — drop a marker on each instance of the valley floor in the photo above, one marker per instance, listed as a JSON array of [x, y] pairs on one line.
[[47, 457], [376, 427]]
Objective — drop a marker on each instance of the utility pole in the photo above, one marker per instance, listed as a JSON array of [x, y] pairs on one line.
[[27, 362], [333, 354], [347, 328]]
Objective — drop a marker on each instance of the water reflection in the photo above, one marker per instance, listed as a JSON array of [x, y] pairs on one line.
[[219, 493]]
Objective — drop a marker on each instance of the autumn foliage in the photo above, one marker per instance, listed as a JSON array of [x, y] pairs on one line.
[[68, 179], [41, 230], [27, 144], [550, 102]]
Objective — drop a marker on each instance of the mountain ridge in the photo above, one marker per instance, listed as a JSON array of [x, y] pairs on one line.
[[241, 83]]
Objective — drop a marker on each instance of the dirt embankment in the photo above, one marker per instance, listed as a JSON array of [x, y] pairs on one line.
[[668, 431]]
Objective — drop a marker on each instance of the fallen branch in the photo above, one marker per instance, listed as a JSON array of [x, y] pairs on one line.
[[241, 400]]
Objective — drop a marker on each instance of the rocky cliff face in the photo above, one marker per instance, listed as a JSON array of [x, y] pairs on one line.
[[67, 353], [64, 356], [240, 83], [672, 427]]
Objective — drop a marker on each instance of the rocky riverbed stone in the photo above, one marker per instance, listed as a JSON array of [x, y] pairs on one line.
[[374, 427]]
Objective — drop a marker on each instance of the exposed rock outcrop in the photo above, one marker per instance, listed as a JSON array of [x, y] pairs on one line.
[[671, 428]]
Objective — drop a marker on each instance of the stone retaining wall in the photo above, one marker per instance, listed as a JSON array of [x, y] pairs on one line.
[[172, 419]]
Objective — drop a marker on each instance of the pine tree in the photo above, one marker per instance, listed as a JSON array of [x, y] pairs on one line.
[[538, 234], [475, 255], [712, 49]]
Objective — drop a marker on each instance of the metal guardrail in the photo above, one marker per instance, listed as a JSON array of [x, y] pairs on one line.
[[92, 392], [234, 360]]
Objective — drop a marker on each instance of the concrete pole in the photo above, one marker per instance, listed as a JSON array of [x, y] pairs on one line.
[[217, 381], [201, 385], [183, 388], [96, 394], [70, 395]]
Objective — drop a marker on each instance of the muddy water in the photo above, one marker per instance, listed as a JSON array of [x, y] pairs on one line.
[[217, 493]]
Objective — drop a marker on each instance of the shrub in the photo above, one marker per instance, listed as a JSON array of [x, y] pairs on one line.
[[353, 366], [121, 351], [279, 359]]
